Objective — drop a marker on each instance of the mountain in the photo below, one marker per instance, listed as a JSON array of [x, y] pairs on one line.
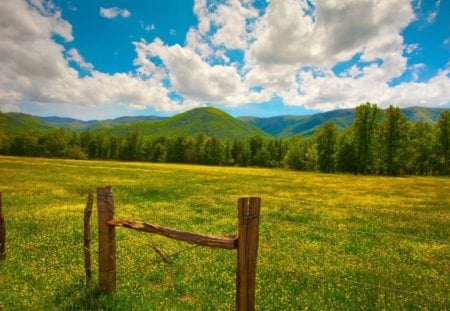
[[79, 125], [286, 126], [18, 123], [422, 114], [210, 121]]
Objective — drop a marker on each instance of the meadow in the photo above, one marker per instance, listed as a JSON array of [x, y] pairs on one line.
[[327, 242]]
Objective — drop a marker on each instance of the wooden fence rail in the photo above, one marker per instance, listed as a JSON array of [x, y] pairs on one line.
[[2, 231], [245, 242]]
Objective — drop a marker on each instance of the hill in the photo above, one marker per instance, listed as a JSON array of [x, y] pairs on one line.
[[285, 126], [79, 125], [17, 123], [210, 121]]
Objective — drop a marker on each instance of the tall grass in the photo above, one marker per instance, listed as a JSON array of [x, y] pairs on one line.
[[327, 242]]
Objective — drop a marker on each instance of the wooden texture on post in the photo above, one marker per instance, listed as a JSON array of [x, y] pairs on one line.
[[189, 237], [106, 240], [2, 232], [248, 235], [87, 237]]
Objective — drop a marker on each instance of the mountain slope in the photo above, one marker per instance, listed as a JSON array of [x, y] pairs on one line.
[[422, 114], [17, 123], [285, 126], [79, 125], [210, 121]]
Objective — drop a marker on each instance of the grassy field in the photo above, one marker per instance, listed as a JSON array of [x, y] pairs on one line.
[[327, 242]]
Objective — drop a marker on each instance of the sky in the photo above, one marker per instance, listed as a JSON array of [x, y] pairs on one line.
[[99, 59]]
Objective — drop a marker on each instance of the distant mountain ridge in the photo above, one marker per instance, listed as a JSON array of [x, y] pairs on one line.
[[306, 125], [210, 121], [74, 124]]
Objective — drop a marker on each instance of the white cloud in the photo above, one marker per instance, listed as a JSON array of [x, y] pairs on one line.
[[289, 51], [114, 12], [34, 69], [290, 40], [202, 13], [194, 78], [74, 55], [431, 18], [231, 20]]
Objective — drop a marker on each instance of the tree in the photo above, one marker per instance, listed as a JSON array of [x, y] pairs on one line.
[[3, 136], [346, 152], [275, 148], [367, 118], [443, 140], [420, 149], [23, 145], [212, 152], [326, 147], [131, 146], [227, 159], [301, 154], [262, 157], [393, 134], [176, 150], [240, 152], [256, 142]]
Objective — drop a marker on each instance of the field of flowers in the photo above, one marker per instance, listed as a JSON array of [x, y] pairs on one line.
[[327, 242]]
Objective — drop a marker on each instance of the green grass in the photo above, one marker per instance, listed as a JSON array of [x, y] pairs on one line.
[[327, 242]]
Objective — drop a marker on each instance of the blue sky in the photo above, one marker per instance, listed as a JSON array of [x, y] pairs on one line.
[[104, 59]]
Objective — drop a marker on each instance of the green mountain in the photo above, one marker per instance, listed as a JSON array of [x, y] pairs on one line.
[[210, 121], [285, 126], [422, 114], [79, 125], [17, 123]]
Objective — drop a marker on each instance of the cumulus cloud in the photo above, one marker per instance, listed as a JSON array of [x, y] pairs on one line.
[[35, 69], [74, 55], [194, 78], [289, 50], [231, 20], [114, 12]]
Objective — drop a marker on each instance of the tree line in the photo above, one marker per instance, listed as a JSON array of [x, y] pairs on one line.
[[375, 143]]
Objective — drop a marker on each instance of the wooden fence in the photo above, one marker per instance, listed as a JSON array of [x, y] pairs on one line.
[[245, 242], [2, 232]]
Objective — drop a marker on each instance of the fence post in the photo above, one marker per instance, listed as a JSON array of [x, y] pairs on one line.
[[2, 232], [106, 240], [87, 237], [248, 234]]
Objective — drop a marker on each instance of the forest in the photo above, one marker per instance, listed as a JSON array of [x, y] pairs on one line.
[[376, 142]]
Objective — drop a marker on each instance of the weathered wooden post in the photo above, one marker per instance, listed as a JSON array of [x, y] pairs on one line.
[[106, 240], [248, 215], [2, 232], [87, 237]]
